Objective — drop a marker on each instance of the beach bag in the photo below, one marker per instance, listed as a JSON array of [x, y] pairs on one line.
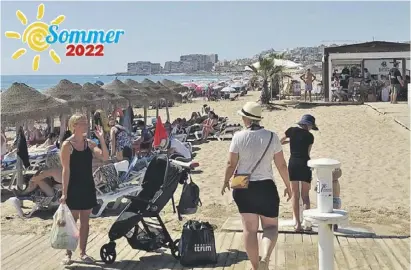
[[190, 199], [241, 181], [197, 244], [64, 232]]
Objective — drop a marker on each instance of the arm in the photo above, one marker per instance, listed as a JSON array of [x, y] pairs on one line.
[[65, 152], [284, 140], [302, 77], [113, 141], [282, 168], [231, 166], [101, 154], [309, 149], [314, 78]]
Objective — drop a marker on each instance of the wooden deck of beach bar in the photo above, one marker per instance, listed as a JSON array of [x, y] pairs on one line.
[[294, 251]]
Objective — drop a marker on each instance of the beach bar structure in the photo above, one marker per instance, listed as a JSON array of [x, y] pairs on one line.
[[363, 54]]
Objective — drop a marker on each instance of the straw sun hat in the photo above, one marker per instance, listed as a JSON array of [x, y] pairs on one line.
[[251, 110]]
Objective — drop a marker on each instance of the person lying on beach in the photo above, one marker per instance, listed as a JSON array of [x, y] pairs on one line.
[[33, 135], [49, 144], [40, 180]]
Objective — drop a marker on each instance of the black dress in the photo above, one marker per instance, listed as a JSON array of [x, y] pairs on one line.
[[300, 140], [81, 191]]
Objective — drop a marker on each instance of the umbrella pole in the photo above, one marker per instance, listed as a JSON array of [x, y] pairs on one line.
[[145, 115], [167, 112], [157, 109]]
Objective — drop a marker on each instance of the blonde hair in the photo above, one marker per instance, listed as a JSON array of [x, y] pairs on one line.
[[74, 119]]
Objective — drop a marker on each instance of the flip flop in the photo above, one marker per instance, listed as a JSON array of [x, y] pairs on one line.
[[67, 260], [87, 259], [298, 230], [263, 265]]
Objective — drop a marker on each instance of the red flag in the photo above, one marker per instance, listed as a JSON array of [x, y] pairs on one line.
[[160, 133]]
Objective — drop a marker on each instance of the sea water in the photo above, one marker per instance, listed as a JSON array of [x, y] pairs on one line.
[[43, 82]]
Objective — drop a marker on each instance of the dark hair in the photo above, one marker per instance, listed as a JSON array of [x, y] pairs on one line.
[[52, 136], [141, 123], [127, 153]]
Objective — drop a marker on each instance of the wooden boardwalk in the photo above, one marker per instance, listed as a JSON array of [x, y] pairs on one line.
[[294, 251]]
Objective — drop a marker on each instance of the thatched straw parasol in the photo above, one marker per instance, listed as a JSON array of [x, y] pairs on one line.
[[151, 93], [179, 88], [21, 102], [122, 89], [72, 93], [176, 96], [161, 90], [101, 94]]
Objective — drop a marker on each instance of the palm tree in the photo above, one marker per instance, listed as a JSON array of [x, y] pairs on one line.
[[269, 71]]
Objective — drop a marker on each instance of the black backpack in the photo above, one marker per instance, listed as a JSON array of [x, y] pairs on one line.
[[189, 200]]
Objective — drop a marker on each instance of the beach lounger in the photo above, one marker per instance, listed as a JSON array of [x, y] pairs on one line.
[[220, 132], [114, 181]]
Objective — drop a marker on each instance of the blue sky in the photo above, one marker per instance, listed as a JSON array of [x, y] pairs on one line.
[[161, 31]]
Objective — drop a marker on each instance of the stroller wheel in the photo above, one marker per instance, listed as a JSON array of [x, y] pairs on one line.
[[175, 251], [108, 253]]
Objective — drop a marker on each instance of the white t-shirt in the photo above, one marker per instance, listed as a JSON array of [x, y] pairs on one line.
[[250, 145], [180, 148]]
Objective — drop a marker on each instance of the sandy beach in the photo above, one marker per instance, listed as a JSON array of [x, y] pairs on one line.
[[373, 149]]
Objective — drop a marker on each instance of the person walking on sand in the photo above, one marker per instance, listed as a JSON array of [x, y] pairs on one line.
[[396, 82], [79, 192], [308, 78], [301, 142], [251, 153]]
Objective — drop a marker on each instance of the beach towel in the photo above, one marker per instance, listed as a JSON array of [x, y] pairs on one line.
[[160, 133], [22, 151]]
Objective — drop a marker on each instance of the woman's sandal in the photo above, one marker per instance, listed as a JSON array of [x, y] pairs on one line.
[[67, 260], [263, 265], [86, 259], [300, 230]]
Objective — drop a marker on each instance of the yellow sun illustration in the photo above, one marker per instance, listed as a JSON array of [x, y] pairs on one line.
[[35, 36]]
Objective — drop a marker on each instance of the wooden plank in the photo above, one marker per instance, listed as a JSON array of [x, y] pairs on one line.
[[379, 254], [224, 253], [396, 253], [310, 253], [351, 258], [400, 244], [19, 243], [234, 251], [278, 258], [314, 241], [366, 251], [297, 243], [54, 257], [219, 241], [168, 261], [357, 253], [289, 252], [14, 258], [242, 257]]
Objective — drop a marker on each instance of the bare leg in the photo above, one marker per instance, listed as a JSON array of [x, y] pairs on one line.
[[305, 194], [295, 189], [250, 228], [270, 235], [69, 253], [309, 93], [305, 95], [84, 230]]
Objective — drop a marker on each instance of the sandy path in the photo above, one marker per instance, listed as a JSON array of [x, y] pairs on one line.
[[373, 150]]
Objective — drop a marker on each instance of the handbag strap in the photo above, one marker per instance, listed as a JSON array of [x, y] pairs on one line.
[[263, 155]]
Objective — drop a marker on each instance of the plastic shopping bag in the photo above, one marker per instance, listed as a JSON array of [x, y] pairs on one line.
[[197, 244], [64, 233]]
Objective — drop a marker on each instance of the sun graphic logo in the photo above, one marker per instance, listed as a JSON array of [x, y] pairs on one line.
[[35, 36]]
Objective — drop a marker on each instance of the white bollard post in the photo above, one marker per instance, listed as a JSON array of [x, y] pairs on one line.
[[324, 215]]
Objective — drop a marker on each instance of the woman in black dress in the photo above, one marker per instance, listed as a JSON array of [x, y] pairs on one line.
[[79, 192], [301, 141]]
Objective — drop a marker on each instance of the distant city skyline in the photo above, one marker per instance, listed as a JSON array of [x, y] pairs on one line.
[[163, 31]]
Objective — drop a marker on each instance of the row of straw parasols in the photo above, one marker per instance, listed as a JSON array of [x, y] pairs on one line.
[[21, 102]]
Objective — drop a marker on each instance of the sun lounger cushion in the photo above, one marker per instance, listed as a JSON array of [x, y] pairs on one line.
[[106, 176]]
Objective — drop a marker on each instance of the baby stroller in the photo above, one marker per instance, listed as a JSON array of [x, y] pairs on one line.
[[159, 184]]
